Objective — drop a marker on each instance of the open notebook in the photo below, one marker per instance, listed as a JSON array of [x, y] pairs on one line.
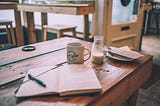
[[64, 80]]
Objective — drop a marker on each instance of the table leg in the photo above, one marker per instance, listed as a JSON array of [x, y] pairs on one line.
[[44, 18], [31, 27], [86, 28], [19, 28], [133, 99], [44, 21], [12, 34], [8, 34]]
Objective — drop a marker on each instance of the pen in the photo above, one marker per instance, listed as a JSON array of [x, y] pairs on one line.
[[38, 81]]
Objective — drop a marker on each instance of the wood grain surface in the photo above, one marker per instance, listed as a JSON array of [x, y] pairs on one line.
[[119, 80]]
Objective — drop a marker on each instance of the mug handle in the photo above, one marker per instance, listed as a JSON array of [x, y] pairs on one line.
[[89, 52]]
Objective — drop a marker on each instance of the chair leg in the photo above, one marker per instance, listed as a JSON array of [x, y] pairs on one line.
[[157, 25], [12, 34], [8, 34], [149, 23], [74, 33], [59, 34], [146, 22], [44, 35]]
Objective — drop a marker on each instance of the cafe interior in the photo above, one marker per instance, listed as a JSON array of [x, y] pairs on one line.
[[36, 33]]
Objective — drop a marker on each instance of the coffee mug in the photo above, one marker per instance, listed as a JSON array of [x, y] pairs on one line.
[[75, 53]]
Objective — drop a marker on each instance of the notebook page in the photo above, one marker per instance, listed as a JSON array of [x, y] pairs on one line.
[[31, 88], [78, 77]]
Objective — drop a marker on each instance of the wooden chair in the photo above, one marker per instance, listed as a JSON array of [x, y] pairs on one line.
[[10, 35], [156, 12], [58, 29]]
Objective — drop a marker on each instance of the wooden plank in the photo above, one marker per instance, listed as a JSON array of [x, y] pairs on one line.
[[124, 37], [19, 28], [48, 9], [73, 10], [127, 86], [11, 77], [114, 82], [44, 18], [86, 28], [31, 28], [14, 55], [119, 80], [9, 5], [71, 4], [85, 10], [18, 70]]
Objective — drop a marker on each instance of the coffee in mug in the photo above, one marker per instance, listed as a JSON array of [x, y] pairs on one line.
[[75, 53]]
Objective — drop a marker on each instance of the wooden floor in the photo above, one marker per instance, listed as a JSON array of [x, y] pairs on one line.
[[151, 95]]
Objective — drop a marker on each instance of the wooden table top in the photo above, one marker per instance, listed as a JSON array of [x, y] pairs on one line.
[[8, 5], [119, 80], [76, 9]]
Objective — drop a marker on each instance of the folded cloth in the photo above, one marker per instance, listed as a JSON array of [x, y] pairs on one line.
[[125, 53]]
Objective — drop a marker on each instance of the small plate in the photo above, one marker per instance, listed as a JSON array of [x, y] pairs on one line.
[[118, 57]]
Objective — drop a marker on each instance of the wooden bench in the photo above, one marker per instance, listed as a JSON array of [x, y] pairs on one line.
[[10, 35], [58, 29]]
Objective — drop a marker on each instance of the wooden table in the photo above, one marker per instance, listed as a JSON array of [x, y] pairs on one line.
[[120, 80], [70, 9], [19, 29]]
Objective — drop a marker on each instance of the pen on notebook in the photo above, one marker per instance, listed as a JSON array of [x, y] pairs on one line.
[[36, 80]]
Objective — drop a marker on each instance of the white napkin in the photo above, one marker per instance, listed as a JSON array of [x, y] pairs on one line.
[[125, 52]]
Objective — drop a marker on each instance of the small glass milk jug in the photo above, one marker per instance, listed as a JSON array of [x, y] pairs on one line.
[[97, 50]]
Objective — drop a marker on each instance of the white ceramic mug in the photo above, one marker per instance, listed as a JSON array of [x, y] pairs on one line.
[[75, 53]]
